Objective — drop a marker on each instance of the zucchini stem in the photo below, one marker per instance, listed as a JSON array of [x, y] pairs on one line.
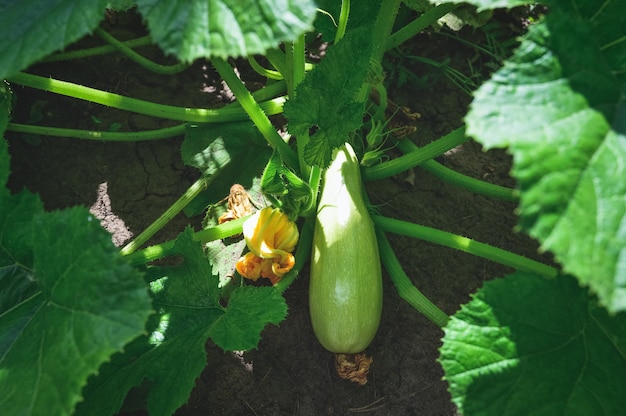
[[231, 112], [416, 157], [159, 251], [419, 24], [458, 179], [138, 59], [465, 244], [404, 286], [193, 191], [255, 112], [95, 51], [109, 136]]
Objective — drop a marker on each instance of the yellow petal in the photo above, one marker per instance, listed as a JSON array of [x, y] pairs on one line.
[[270, 234], [249, 266]]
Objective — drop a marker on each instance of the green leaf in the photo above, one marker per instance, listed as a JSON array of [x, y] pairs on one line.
[[186, 298], [225, 28], [228, 153], [91, 303], [6, 104], [32, 29], [189, 312], [290, 191], [525, 345], [16, 247], [558, 105], [326, 99], [249, 310]]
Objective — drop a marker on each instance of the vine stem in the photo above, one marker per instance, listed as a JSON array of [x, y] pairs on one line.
[[232, 112], [132, 136], [255, 112], [159, 251], [416, 157], [193, 191], [343, 20], [95, 51], [465, 244], [140, 60], [404, 286], [458, 179], [419, 24], [383, 27]]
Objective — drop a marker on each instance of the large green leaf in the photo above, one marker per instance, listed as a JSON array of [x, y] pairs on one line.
[[17, 278], [326, 101], [226, 153], [559, 106], [32, 29], [525, 345], [6, 103], [91, 303], [172, 356], [193, 29], [189, 312]]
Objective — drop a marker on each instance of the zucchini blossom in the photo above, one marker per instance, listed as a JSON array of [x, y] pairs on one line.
[[271, 238]]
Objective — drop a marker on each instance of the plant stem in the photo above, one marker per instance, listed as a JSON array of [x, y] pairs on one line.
[[256, 114], [464, 244], [264, 72], [279, 61], [416, 157], [419, 24], [98, 50], [159, 251], [297, 75], [231, 112], [343, 20], [135, 57], [100, 135], [458, 179], [405, 287], [193, 191], [383, 27]]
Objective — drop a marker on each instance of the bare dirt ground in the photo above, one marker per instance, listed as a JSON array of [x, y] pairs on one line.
[[128, 185]]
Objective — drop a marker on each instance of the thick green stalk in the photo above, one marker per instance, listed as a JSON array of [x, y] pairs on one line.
[[458, 179], [159, 251], [405, 287], [465, 244], [193, 191], [232, 112], [130, 136], [419, 24], [264, 72], [98, 50], [255, 112], [297, 64], [343, 20], [416, 157], [135, 57], [279, 61], [382, 29]]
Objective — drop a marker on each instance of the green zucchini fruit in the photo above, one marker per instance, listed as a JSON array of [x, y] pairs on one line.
[[345, 289]]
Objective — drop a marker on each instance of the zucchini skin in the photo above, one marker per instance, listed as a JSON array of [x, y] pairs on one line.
[[345, 288]]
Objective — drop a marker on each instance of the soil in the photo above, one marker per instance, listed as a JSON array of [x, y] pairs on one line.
[[128, 185]]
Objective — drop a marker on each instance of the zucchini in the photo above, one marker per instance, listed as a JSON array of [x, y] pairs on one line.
[[345, 289]]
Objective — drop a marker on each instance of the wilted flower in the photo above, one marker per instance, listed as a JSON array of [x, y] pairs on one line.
[[271, 237]]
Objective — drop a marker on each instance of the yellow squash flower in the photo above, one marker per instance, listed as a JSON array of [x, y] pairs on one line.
[[271, 238]]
